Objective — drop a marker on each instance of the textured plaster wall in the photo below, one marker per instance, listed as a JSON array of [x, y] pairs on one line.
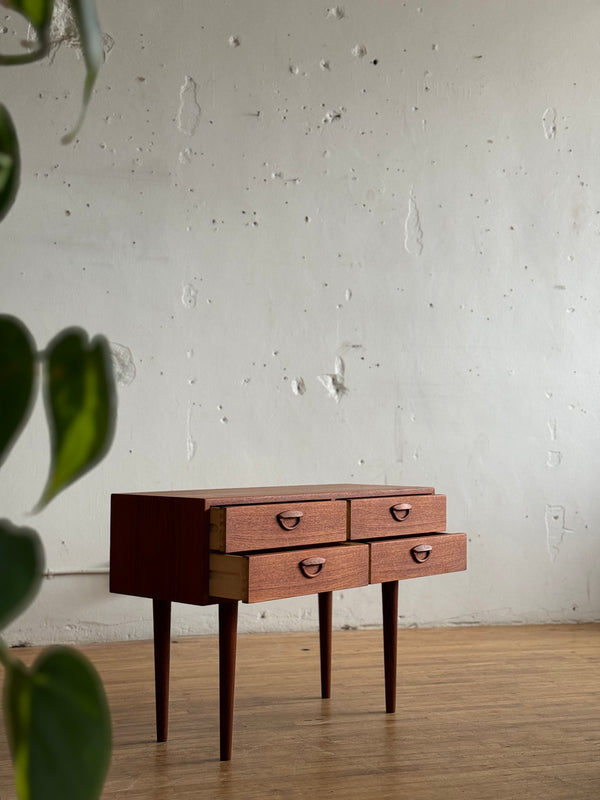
[[328, 243]]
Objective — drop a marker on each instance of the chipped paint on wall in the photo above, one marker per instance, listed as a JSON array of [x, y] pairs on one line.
[[555, 529], [413, 232], [298, 386], [123, 364], [333, 382], [381, 182], [190, 441], [359, 51], [188, 115], [553, 458], [63, 31], [335, 12], [189, 296], [549, 123]]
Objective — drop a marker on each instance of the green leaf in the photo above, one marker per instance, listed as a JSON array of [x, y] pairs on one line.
[[10, 162], [80, 404], [37, 12], [21, 567], [39, 15], [59, 727], [90, 35], [17, 379], [17, 715]]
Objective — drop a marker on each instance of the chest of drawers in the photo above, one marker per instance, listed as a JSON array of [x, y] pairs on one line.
[[252, 545]]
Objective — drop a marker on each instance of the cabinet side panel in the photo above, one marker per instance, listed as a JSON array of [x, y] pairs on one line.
[[159, 548]]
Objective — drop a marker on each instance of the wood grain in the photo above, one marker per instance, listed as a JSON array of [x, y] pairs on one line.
[[371, 518], [278, 494], [159, 547], [271, 576], [228, 616], [161, 619], [392, 560], [482, 714], [159, 541], [234, 529], [325, 639]]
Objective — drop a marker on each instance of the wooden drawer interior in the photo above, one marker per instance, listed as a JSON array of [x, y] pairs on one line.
[[256, 577], [416, 556], [377, 517], [236, 529]]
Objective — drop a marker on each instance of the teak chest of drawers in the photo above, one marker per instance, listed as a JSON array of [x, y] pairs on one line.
[[226, 545]]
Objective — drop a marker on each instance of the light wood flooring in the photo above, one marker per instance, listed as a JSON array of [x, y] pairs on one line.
[[483, 714]]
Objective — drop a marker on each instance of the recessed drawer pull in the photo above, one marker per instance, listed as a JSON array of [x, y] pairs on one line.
[[311, 567], [400, 511], [421, 552], [289, 519]]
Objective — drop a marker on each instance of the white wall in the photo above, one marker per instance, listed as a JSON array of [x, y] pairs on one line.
[[404, 195]]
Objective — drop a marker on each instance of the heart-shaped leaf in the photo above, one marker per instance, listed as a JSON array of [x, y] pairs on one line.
[[17, 378], [39, 15], [21, 567], [17, 712], [90, 36], [58, 725], [10, 162], [80, 397]]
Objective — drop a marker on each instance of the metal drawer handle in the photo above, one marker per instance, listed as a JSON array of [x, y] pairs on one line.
[[311, 567], [289, 519], [400, 511], [421, 552]]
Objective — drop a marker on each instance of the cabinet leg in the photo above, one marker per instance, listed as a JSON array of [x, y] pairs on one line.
[[228, 615], [389, 597], [325, 607], [161, 614]]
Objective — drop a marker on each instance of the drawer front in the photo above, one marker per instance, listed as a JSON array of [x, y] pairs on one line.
[[235, 529], [372, 518], [416, 556], [290, 573]]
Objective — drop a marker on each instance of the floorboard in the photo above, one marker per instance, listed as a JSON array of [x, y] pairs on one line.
[[490, 713]]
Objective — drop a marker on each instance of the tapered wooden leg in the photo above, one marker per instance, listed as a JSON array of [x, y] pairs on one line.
[[389, 597], [161, 612], [228, 615], [325, 606]]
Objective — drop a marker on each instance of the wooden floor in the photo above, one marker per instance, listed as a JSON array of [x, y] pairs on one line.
[[483, 713]]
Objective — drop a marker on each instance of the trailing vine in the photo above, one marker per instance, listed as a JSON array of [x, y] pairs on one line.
[[56, 713]]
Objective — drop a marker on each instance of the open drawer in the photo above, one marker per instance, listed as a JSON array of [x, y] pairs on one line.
[[254, 577]]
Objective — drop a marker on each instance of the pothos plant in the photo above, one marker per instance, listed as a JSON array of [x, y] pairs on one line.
[[55, 711]]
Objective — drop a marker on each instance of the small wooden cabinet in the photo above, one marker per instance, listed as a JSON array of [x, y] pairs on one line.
[[226, 545]]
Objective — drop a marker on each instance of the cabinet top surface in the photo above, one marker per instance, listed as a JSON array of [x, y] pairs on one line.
[[266, 494]]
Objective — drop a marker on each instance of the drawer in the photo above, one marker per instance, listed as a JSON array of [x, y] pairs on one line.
[[416, 556], [374, 517], [289, 573], [235, 529]]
